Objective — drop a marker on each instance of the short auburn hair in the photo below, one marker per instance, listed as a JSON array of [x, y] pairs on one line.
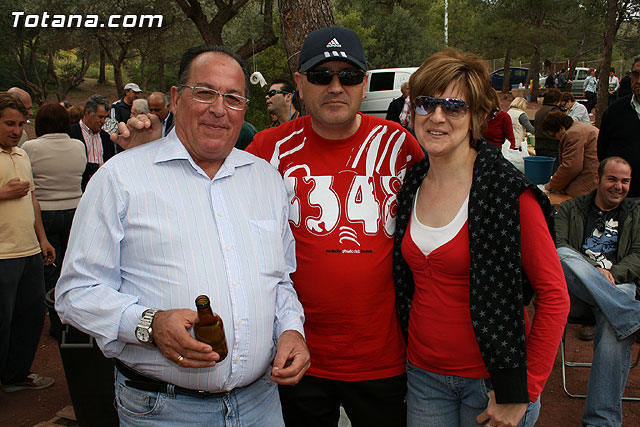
[[52, 118], [471, 76]]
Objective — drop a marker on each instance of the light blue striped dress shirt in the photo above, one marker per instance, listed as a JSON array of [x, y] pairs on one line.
[[154, 231]]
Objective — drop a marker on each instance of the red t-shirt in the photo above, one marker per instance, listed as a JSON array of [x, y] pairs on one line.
[[342, 214], [441, 336]]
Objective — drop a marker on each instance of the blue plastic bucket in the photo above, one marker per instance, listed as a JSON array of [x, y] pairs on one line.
[[538, 168]]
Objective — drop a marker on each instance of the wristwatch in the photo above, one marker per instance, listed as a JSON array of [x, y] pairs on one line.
[[144, 333]]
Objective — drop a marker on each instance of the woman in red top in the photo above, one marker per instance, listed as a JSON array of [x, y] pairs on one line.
[[472, 246], [499, 127]]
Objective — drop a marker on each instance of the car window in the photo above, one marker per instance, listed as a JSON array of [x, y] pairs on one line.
[[499, 73], [519, 73], [381, 81], [582, 74]]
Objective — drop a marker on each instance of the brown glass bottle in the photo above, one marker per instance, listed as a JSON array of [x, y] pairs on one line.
[[208, 327]]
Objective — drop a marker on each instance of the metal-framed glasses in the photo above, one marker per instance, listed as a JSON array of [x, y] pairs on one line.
[[346, 77], [452, 107], [209, 96], [274, 92]]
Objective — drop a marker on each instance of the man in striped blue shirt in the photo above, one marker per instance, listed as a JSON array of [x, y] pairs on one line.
[[170, 220]]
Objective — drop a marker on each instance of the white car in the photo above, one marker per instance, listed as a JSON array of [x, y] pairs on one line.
[[383, 86]]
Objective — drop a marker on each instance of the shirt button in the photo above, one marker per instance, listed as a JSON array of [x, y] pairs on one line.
[[235, 283], [220, 213], [237, 358], [239, 322], [228, 247]]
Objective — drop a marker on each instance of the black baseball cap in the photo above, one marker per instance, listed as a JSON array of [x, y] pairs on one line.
[[332, 43]]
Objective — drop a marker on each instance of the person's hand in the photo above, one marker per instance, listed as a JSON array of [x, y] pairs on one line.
[[607, 274], [547, 187], [14, 189], [292, 359], [48, 252], [171, 335], [138, 130], [501, 414]]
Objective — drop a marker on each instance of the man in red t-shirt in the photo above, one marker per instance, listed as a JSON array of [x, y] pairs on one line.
[[342, 170]]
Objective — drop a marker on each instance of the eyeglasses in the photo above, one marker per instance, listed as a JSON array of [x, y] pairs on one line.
[[453, 107], [346, 77], [209, 96], [274, 92]]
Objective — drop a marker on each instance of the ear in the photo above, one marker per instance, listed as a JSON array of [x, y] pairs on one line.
[[174, 99], [298, 78], [364, 86]]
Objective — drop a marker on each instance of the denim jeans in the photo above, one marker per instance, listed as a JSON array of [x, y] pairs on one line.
[[257, 404], [617, 315], [436, 400]]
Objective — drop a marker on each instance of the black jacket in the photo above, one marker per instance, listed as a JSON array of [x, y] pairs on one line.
[[108, 151], [394, 110], [620, 136]]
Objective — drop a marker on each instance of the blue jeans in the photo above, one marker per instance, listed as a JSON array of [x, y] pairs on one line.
[[436, 400], [257, 404], [617, 315]]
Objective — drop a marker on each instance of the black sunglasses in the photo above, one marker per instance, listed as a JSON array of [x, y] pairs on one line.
[[346, 77], [274, 92], [453, 107]]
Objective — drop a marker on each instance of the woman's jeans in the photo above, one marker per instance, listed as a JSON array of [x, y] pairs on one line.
[[436, 400]]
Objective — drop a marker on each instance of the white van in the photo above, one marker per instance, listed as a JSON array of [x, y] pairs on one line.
[[383, 86]]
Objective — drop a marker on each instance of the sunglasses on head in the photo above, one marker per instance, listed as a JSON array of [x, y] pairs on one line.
[[346, 77], [274, 92], [453, 107]]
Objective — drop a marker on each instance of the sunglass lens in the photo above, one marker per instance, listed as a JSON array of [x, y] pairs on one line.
[[351, 78], [319, 77]]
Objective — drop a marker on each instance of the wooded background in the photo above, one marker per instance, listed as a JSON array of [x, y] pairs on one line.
[[50, 62]]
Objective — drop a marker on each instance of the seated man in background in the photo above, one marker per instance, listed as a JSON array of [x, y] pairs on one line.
[[598, 241]]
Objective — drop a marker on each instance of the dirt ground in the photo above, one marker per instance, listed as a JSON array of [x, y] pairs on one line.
[[28, 408]]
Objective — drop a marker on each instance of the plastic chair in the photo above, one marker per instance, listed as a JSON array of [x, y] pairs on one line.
[[581, 314]]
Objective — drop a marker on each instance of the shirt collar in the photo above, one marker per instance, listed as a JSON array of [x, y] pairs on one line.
[[635, 105], [87, 128], [14, 150], [171, 148]]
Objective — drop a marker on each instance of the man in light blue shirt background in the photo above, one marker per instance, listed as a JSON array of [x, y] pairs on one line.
[[170, 220]]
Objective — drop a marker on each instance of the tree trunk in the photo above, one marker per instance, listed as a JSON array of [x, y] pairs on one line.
[[163, 83], [299, 18], [102, 78], [610, 30], [534, 71], [506, 84]]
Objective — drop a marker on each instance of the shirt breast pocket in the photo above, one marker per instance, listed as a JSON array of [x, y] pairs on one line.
[[268, 250]]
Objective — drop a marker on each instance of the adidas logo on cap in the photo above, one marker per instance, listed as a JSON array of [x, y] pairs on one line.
[[334, 43]]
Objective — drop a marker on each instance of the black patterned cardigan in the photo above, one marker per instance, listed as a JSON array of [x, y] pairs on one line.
[[499, 288]]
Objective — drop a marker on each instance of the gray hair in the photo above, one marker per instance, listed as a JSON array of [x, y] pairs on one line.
[[141, 106], [94, 101]]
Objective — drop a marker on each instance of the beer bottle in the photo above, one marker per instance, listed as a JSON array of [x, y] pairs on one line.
[[208, 327]]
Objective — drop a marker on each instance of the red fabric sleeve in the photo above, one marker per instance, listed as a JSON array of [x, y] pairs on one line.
[[542, 266]]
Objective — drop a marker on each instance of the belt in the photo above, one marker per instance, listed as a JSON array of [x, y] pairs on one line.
[[142, 382]]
